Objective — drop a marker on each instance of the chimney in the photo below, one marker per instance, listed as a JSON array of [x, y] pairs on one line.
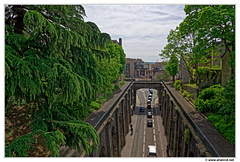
[[120, 41]]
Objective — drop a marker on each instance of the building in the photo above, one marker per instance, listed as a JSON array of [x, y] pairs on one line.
[[137, 68], [119, 42], [133, 67], [219, 73]]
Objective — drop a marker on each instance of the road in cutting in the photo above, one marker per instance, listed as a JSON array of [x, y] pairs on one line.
[[143, 135]]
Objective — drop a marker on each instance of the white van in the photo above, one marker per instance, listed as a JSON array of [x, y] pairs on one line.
[[152, 151]]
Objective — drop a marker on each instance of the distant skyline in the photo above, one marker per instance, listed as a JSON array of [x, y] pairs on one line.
[[143, 28]]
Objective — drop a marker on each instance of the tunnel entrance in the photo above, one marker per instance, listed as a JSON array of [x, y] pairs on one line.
[[143, 99], [143, 87]]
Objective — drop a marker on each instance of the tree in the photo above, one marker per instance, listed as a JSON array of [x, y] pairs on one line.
[[182, 48], [212, 23], [51, 72], [172, 66], [111, 68], [195, 39], [194, 42]]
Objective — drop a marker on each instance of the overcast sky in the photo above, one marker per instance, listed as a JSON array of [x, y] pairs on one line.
[[143, 28]]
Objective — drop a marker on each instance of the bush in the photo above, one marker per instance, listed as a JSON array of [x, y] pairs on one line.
[[210, 99], [121, 83], [186, 94], [223, 126], [178, 85], [95, 105], [116, 87], [220, 103]]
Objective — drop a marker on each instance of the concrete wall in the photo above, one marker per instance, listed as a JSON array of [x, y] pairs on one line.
[[181, 138], [188, 132], [113, 132]]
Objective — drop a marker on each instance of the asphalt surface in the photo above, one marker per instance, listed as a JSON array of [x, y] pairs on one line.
[[143, 136]]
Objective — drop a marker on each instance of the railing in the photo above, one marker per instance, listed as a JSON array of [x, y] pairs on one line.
[[205, 141], [104, 117]]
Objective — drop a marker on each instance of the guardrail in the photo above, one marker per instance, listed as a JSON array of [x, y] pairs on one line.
[[104, 117], [205, 141]]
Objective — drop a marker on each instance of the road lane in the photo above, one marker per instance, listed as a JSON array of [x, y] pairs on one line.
[[139, 131], [138, 137], [144, 136]]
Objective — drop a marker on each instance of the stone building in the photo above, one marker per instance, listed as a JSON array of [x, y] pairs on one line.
[[214, 76], [119, 42], [137, 68], [133, 68]]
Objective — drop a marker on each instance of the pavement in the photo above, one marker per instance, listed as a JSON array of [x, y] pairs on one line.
[[96, 116], [127, 149]]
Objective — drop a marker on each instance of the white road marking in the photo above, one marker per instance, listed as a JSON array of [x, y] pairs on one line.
[[144, 133], [143, 149], [144, 138]]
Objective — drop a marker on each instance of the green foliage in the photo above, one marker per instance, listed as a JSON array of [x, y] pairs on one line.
[[203, 70], [219, 104], [224, 126], [111, 68], [192, 85], [172, 65], [57, 64], [229, 101], [178, 85], [186, 94], [187, 135], [20, 146], [79, 132], [53, 139], [163, 76], [121, 83], [209, 99], [95, 105], [196, 40]]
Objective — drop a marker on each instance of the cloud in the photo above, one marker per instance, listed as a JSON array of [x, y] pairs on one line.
[[143, 28]]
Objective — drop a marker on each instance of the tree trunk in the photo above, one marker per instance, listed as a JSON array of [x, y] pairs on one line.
[[19, 12], [173, 78]]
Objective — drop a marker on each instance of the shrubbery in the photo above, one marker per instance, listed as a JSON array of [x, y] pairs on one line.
[[210, 99], [178, 85], [186, 94], [95, 105], [218, 103], [226, 127]]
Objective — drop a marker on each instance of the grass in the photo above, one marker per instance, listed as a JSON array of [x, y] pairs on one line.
[[192, 85]]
